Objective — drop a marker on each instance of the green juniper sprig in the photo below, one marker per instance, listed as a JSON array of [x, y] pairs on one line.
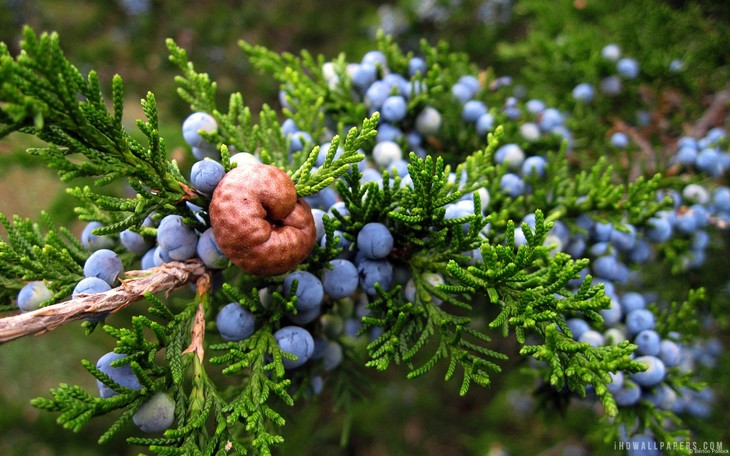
[[45, 95], [304, 85], [79, 407], [39, 251], [310, 181], [460, 282], [530, 288]]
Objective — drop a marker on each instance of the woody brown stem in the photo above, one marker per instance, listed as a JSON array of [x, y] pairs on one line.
[[714, 112], [167, 278]]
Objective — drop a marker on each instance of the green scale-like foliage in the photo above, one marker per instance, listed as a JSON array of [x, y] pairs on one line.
[[39, 251], [491, 287], [44, 95]]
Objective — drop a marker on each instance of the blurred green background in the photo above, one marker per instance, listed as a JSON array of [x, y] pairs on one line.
[[538, 42]]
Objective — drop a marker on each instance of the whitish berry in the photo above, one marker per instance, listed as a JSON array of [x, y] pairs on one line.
[[244, 158], [196, 122], [611, 52], [592, 338], [428, 122], [386, 152], [511, 155]]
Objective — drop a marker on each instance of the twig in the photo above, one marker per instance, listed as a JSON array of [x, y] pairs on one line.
[[647, 151], [712, 114], [166, 278], [197, 333]]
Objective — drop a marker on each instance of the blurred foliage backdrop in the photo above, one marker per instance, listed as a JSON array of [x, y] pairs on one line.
[[540, 43]]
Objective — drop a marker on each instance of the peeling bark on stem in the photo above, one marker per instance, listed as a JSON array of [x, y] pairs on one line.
[[197, 333], [167, 277]]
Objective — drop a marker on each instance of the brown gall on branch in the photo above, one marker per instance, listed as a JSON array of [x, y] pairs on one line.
[[167, 278], [258, 221]]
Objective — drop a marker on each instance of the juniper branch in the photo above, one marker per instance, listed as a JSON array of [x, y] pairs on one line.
[[720, 102], [167, 277]]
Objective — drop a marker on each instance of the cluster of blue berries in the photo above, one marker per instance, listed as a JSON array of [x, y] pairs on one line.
[[315, 301], [614, 250], [412, 18], [704, 155], [329, 302], [628, 318], [626, 69], [156, 414]]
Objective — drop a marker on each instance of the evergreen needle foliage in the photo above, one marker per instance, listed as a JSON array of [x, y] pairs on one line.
[[490, 285], [39, 251]]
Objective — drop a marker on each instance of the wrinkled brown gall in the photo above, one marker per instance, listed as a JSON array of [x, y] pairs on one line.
[[258, 221]]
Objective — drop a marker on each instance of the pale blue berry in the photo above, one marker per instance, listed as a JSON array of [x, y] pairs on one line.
[[209, 252], [655, 372], [341, 281], [122, 375], [375, 240], [297, 341], [32, 295], [235, 322], [156, 415], [205, 175], [105, 265], [196, 122], [95, 242], [175, 239], [90, 285]]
